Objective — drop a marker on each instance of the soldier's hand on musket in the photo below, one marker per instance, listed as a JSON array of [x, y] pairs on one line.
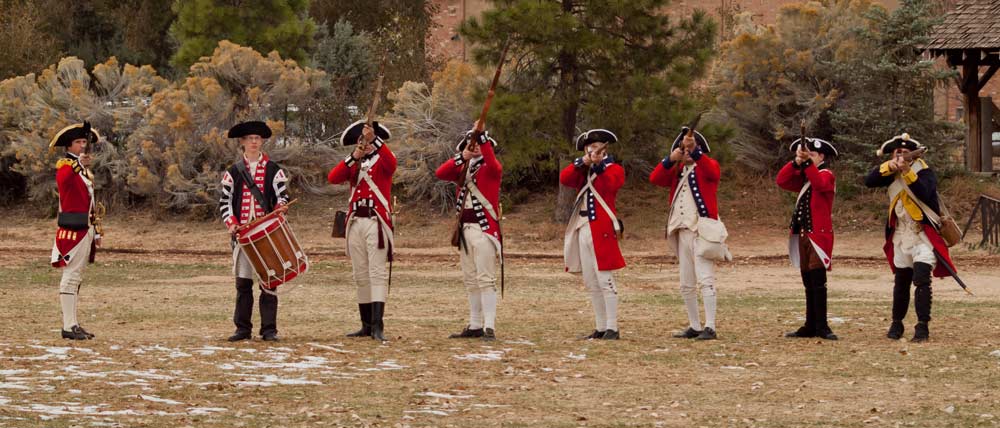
[[232, 229], [801, 155], [815, 157], [97, 242], [86, 160], [677, 155], [368, 135], [470, 151]]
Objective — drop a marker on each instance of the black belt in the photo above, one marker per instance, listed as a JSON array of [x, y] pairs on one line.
[[364, 212], [585, 214]]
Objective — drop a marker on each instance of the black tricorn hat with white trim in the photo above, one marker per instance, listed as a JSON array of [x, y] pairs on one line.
[[468, 134], [74, 132], [595, 136], [254, 127], [900, 141], [815, 145], [353, 131], [698, 138]]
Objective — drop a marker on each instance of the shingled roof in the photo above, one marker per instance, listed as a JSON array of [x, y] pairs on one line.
[[972, 24]]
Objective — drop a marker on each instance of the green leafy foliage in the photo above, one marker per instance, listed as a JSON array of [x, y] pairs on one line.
[[271, 25], [585, 64], [849, 69]]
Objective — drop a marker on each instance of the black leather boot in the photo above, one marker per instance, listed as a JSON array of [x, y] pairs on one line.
[[807, 329], [901, 294], [922, 300], [821, 326], [268, 316], [378, 311], [365, 311], [244, 310], [895, 330]]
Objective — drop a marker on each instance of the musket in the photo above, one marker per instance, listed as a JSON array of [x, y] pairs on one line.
[[952, 272], [477, 132]]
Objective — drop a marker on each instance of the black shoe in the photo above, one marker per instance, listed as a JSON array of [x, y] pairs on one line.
[[595, 335], [365, 311], [89, 334], [690, 333], [801, 332], [920, 332], [610, 334], [270, 337], [707, 334], [75, 333], [240, 335], [488, 335], [895, 330], [467, 333]]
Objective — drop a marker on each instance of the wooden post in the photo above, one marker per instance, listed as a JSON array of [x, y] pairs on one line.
[[986, 134], [973, 107]]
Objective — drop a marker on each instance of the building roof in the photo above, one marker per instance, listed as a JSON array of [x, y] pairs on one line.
[[972, 24]]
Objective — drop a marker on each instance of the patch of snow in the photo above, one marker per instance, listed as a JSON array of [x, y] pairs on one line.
[[148, 374], [14, 372], [732, 368], [156, 399], [330, 348], [200, 411], [428, 411], [578, 357], [491, 355]]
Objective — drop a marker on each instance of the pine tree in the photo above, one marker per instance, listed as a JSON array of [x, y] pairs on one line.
[[270, 25], [623, 65]]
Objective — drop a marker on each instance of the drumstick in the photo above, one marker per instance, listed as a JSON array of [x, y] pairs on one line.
[[252, 223]]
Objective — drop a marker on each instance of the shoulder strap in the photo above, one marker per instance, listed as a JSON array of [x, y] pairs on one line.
[[241, 168], [482, 199], [931, 215]]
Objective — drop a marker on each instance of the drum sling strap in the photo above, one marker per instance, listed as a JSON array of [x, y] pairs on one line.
[[241, 167]]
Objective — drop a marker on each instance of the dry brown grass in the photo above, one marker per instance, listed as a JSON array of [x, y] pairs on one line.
[[159, 324]]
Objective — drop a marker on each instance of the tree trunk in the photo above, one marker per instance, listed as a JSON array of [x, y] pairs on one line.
[[569, 94]]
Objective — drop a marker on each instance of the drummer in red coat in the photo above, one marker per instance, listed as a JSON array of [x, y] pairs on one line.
[[913, 246], [591, 241], [810, 244], [693, 178], [240, 204], [368, 169], [79, 232], [478, 202]]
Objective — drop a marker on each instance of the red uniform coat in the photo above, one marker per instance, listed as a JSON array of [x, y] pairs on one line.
[[610, 177], [706, 174], [486, 175], [74, 197], [823, 185], [381, 173]]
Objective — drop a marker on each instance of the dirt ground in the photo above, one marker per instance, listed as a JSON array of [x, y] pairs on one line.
[[160, 301]]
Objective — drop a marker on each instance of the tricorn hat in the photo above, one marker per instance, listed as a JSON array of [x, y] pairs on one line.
[[350, 135], [698, 138], [76, 131], [595, 136], [482, 140], [250, 128], [900, 141], [815, 145]]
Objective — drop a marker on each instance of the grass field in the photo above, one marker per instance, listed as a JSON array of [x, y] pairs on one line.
[[160, 358]]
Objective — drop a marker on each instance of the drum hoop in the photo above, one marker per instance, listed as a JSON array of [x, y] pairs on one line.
[[245, 236]]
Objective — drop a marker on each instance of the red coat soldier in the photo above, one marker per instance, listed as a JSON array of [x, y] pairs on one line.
[[693, 178], [591, 240], [78, 232], [478, 172], [810, 244], [368, 170]]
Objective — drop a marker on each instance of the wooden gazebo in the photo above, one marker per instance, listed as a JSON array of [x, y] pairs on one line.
[[969, 38]]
